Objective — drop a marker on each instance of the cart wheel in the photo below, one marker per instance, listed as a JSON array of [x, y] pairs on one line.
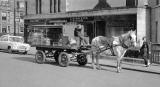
[[24, 53], [40, 57], [63, 59], [81, 59]]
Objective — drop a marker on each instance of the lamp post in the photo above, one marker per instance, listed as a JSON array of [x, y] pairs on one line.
[[14, 19]]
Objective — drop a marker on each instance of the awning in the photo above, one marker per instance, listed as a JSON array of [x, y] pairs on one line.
[[47, 26], [85, 13]]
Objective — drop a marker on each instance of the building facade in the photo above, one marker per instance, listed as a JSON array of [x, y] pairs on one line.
[[98, 17], [11, 17], [155, 20]]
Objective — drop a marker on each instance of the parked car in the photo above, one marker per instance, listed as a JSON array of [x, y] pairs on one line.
[[13, 44]]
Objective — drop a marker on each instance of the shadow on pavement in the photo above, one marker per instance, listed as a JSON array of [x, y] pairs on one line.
[[26, 59], [72, 64]]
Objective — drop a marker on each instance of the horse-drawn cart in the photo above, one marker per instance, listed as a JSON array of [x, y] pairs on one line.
[[62, 54]]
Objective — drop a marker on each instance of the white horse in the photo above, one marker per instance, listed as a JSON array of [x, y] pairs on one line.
[[117, 45]]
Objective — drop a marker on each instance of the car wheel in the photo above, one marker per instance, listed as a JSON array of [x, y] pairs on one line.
[[9, 50]]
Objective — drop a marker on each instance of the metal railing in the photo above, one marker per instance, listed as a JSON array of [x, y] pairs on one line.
[[155, 53]]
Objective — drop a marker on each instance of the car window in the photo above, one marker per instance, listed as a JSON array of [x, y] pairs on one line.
[[16, 39], [4, 38]]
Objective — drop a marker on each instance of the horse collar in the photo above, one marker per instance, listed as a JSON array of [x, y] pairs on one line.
[[122, 43]]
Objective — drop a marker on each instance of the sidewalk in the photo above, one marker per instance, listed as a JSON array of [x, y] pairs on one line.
[[153, 68], [135, 65]]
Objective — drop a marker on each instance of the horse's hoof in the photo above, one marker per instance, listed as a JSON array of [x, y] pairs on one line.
[[147, 65], [94, 68], [99, 68], [118, 70]]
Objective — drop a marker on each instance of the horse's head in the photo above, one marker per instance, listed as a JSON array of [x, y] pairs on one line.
[[128, 39], [132, 36]]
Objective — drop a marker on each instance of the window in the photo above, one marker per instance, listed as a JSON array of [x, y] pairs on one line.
[[16, 39], [4, 38], [56, 5], [4, 2], [9, 29], [8, 17], [55, 1], [26, 7], [38, 6], [157, 2], [4, 16], [59, 2], [131, 3], [4, 30], [51, 3], [156, 31], [18, 5]]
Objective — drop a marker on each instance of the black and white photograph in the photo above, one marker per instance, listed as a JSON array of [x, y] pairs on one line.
[[79, 43]]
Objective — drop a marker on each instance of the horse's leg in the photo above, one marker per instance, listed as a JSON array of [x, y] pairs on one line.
[[120, 54], [119, 60], [118, 65], [112, 51], [93, 63], [97, 61]]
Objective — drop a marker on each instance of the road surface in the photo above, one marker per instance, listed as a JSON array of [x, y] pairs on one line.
[[21, 71]]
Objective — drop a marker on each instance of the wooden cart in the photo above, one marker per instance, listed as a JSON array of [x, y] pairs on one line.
[[62, 55]]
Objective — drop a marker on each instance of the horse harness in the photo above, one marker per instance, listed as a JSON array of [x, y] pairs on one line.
[[110, 46]]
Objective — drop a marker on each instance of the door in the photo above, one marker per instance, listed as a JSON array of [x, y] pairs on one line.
[[89, 30], [100, 28]]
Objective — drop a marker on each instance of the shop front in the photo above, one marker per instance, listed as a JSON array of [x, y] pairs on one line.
[[107, 23]]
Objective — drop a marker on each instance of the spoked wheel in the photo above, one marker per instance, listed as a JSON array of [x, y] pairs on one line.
[[40, 57], [63, 59], [81, 59]]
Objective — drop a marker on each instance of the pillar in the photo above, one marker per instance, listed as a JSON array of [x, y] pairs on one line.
[[143, 23]]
